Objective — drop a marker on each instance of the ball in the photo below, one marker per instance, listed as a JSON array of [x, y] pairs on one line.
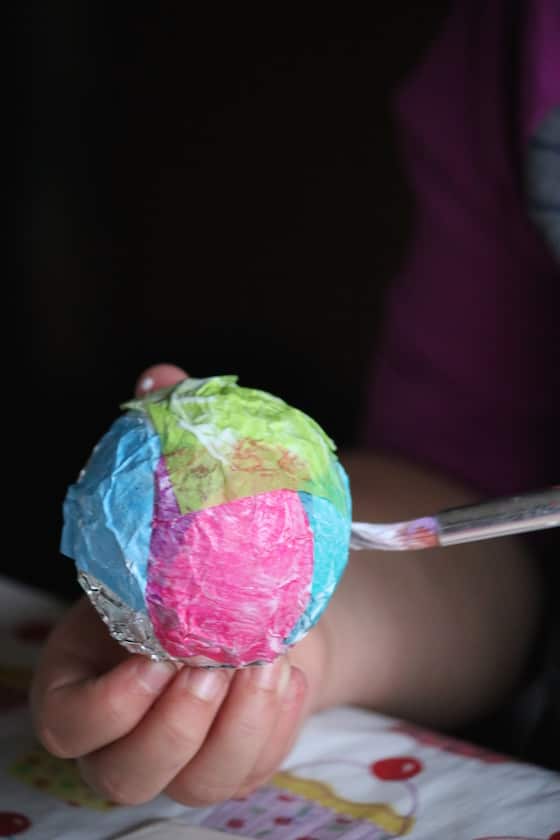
[[211, 524]]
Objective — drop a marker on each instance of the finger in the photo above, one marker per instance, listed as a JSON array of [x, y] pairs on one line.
[[137, 768], [237, 738], [75, 718], [79, 706], [283, 736], [81, 634], [158, 376], [78, 648]]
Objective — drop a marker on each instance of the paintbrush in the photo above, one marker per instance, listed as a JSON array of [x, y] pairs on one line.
[[471, 523]]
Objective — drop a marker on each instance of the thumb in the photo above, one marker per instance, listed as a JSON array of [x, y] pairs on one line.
[[158, 376]]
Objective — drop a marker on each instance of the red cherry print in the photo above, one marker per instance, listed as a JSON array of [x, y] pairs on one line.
[[282, 820], [235, 823], [285, 797], [12, 823], [396, 769]]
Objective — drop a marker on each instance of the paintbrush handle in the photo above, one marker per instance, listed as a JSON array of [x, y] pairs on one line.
[[470, 523], [500, 517]]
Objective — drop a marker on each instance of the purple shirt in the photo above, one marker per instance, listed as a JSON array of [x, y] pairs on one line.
[[467, 376]]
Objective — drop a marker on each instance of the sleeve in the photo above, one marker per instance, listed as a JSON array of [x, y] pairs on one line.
[[466, 375]]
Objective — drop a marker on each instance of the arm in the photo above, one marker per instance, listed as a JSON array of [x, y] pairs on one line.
[[439, 636], [465, 380], [423, 635]]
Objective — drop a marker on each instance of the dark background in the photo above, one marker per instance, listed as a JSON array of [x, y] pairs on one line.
[[224, 193]]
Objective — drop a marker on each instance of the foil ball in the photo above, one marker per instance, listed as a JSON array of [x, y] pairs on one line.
[[211, 524]]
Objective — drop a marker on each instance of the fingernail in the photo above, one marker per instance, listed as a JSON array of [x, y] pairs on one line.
[[153, 676], [273, 675], [205, 683], [146, 384]]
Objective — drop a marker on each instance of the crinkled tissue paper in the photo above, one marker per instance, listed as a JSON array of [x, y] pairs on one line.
[[211, 524]]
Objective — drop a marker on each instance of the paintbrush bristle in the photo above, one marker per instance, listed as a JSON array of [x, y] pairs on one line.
[[396, 536]]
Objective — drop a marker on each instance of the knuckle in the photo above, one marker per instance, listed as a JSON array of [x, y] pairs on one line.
[[115, 788], [247, 790], [175, 731], [248, 729], [125, 796], [251, 784], [115, 706], [197, 794], [50, 730], [54, 742]]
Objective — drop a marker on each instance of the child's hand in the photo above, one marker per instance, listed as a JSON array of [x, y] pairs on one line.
[[402, 637], [139, 728]]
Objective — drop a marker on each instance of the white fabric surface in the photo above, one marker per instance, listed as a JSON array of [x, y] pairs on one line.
[[352, 774]]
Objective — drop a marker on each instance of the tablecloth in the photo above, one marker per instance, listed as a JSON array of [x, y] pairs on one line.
[[353, 774]]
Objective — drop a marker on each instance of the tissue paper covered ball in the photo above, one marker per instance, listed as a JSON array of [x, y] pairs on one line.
[[211, 524]]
